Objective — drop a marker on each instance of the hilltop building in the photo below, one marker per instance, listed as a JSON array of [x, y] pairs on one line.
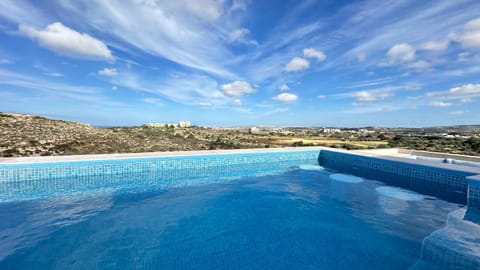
[[181, 124]]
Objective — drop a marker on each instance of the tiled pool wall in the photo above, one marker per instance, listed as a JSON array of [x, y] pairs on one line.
[[31, 179], [474, 192], [25, 181], [446, 184]]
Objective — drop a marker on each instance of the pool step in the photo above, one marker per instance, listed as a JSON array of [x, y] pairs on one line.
[[457, 246]]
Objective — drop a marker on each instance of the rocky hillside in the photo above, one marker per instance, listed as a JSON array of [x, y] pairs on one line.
[[26, 135]]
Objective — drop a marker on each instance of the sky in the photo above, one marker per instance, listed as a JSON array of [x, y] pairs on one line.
[[237, 62]]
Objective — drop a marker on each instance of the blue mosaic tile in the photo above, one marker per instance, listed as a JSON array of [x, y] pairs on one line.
[[27, 181], [474, 197], [442, 183]]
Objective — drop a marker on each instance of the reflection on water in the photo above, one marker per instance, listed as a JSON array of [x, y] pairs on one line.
[[308, 167], [25, 224], [346, 178], [299, 219], [400, 193]]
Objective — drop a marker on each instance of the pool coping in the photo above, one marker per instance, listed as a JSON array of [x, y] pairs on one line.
[[421, 162], [120, 156]]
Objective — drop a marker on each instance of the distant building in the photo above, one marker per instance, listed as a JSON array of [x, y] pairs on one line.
[[254, 130], [331, 130], [185, 124], [366, 131], [181, 124], [157, 125]]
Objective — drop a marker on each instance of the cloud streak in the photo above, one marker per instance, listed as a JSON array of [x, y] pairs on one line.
[[190, 34]]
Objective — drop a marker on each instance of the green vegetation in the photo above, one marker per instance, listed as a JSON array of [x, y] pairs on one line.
[[457, 145]]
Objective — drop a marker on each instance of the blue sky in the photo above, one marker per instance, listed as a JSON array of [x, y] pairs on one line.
[[229, 63]]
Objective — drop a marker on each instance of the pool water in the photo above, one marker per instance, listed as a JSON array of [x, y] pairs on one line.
[[298, 219]]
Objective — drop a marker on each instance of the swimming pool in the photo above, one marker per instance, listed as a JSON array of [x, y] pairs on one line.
[[276, 210]]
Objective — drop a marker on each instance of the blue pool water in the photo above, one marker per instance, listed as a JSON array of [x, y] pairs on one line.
[[295, 219]]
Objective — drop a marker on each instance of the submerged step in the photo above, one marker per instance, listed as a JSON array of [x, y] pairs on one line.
[[457, 246]]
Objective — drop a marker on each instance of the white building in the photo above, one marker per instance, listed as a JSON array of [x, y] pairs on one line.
[[254, 130], [185, 124]]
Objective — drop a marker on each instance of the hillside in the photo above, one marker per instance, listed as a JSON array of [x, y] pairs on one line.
[[27, 135]]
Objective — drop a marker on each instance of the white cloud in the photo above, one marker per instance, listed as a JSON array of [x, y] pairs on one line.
[[400, 53], [297, 64], [470, 38], [237, 89], [283, 87], [457, 113], [420, 65], [204, 104], [440, 104], [241, 36], [114, 88], [371, 95], [434, 45], [458, 91], [312, 53], [109, 72], [321, 96], [286, 97], [66, 41], [237, 102]]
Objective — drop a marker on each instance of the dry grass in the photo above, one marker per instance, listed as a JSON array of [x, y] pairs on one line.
[[324, 141]]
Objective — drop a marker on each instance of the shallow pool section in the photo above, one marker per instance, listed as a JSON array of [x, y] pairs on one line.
[[346, 178], [400, 193], [290, 219]]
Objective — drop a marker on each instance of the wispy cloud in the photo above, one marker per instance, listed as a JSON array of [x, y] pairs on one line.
[[241, 36], [283, 87], [275, 111], [154, 101], [374, 95], [55, 89], [183, 88], [109, 72], [440, 104], [190, 34], [21, 11], [462, 91]]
